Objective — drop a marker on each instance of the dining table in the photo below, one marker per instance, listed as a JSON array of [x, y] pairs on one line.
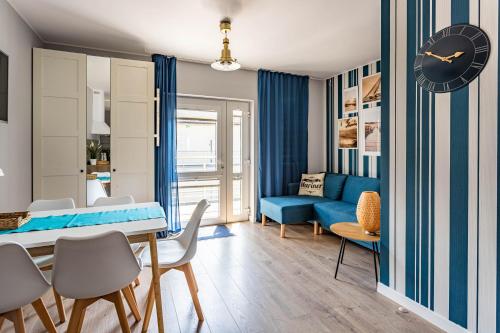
[[42, 242]]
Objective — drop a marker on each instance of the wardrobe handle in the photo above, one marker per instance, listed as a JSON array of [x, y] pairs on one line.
[[114, 170], [157, 130], [81, 170]]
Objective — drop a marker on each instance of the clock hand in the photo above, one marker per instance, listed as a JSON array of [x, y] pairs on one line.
[[438, 57], [455, 55]]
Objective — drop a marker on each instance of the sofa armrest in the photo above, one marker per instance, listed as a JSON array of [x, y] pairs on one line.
[[293, 188]]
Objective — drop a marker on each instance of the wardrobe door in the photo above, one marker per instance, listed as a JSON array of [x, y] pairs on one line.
[[132, 129], [59, 125]]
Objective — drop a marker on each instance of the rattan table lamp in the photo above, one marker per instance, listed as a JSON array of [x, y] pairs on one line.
[[368, 212]]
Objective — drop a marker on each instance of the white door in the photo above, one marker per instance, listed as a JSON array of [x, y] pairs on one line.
[[213, 158], [59, 125], [132, 129]]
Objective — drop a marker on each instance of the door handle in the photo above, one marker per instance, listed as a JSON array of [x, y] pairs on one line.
[[157, 120]]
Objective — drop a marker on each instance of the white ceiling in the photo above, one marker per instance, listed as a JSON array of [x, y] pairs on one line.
[[314, 37]]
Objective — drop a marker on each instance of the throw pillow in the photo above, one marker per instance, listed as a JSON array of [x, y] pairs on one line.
[[312, 184]]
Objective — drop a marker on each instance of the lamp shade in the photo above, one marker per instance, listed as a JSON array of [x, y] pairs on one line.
[[1, 173], [368, 211]]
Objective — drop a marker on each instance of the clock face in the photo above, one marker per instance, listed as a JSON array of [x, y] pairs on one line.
[[451, 58]]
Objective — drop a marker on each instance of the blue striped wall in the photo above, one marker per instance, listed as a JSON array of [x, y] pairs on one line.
[[440, 170], [348, 161]]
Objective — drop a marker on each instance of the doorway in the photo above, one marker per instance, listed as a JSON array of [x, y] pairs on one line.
[[213, 158]]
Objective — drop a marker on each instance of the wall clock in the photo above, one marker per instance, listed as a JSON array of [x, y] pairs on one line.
[[451, 58]]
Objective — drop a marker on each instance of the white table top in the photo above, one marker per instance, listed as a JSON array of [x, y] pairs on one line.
[[34, 239]]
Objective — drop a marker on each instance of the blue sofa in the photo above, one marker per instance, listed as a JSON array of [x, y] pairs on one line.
[[338, 204]]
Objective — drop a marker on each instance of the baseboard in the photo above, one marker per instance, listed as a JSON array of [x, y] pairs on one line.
[[420, 310]]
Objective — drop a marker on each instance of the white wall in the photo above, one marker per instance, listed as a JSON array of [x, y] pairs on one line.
[[16, 40], [317, 126]]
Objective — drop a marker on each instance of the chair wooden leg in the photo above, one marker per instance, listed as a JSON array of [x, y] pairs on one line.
[[41, 311], [149, 309], [1, 321], [78, 314], [264, 219], [132, 304], [192, 290], [137, 282], [194, 278], [282, 232], [82, 317], [132, 291], [75, 320], [320, 231], [315, 231], [16, 316], [120, 310], [60, 306], [18, 321]]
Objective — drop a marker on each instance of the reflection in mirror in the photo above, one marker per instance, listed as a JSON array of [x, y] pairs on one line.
[[98, 128]]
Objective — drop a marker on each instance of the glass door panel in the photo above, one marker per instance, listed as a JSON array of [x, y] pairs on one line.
[[238, 115], [210, 135], [200, 156], [196, 141]]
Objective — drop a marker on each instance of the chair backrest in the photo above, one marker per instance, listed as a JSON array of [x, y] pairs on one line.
[[42, 205], [112, 201], [189, 237], [93, 266], [21, 282], [95, 190]]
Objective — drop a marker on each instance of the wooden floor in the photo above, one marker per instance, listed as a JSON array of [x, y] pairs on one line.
[[257, 282]]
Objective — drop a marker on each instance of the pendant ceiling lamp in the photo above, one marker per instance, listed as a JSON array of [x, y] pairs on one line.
[[225, 62]]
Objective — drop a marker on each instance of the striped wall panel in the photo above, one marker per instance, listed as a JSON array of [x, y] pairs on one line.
[[439, 185], [348, 161]]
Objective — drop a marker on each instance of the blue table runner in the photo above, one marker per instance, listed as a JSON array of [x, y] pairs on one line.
[[89, 219]]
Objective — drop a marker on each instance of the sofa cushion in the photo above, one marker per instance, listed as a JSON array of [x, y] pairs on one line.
[[334, 183], [290, 209], [312, 184], [328, 213], [355, 185]]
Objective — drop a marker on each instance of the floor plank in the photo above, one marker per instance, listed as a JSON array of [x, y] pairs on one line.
[[257, 282]]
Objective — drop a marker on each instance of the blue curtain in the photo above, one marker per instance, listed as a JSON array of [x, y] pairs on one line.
[[166, 188], [283, 101]]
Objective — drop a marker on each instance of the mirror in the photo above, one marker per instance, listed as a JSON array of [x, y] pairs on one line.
[[98, 128]]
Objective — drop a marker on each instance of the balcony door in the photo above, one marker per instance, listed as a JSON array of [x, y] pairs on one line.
[[213, 158]]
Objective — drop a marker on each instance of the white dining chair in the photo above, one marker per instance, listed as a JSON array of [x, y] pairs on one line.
[[21, 283], [45, 262], [92, 268], [57, 204], [137, 248], [176, 253], [113, 201]]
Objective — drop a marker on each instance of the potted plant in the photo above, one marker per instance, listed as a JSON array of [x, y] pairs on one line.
[[93, 151]]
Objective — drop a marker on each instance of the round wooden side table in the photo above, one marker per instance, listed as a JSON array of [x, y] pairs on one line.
[[354, 231]]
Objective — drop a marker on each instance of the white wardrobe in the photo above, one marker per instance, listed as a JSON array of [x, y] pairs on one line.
[[60, 127]]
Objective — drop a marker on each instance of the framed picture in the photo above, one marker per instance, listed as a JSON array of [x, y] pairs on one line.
[[370, 131], [350, 100], [371, 88], [348, 133]]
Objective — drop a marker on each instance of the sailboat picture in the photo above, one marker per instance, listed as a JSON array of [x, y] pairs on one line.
[[371, 88], [351, 99]]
